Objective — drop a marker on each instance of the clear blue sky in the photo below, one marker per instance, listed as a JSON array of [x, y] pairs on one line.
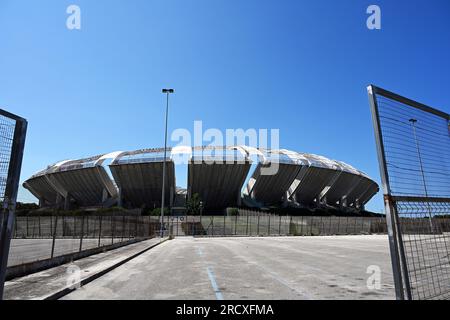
[[300, 66]]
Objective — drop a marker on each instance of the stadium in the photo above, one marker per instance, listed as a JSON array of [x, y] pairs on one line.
[[226, 176]]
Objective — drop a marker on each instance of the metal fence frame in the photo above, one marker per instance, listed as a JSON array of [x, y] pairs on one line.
[[10, 192], [402, 275]]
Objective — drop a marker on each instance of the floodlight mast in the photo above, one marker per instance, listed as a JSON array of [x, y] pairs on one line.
[[419, 155], [161, 231]]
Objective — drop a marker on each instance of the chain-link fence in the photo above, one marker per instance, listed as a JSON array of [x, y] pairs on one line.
[[429, 271], [413, 143], [37, 238], [7, 126], [255, 223], [12, 140]]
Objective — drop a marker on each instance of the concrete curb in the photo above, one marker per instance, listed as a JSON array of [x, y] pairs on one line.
[[61, 293]]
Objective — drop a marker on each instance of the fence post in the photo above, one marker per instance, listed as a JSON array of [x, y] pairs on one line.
[[379, 226], [63, 226], [123, 228], [74, 231], [349, 227], [39, 226], [321, 225], [186, 222], [246, 227], [99, 230], [135, 226], [290, 225], [27, 227], [329, 226], [122, 234], [339, 224], [190, 227], [82, 232], [54, 237], [112, 228], [353, 225], [87, 227], [235, 223], [357, 226], [372, 225], [15, 226], [257, 228], [311, 222], [129, 227], [364, 224], [279, 225], [346, 226], [224, 222], [212, 228]]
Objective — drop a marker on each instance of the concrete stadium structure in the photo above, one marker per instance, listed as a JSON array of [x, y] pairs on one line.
[[133, 179]]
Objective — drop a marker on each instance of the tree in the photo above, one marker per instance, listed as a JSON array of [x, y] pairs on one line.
[[193, 205]]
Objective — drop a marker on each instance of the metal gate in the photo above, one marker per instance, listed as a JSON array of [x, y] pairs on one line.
[[12, 140], [413, 145]]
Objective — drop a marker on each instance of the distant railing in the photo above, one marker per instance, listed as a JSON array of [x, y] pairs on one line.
[[256, 223]]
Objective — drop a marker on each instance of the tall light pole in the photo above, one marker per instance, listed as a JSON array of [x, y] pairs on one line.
[[167, 92], [413, 124]]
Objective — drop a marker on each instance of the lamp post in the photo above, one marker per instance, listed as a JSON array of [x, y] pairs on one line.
[[167, 92], [413, 124], [201, 211]]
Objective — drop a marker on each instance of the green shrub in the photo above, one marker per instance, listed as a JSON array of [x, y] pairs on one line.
[[157, 212], [232, 211]]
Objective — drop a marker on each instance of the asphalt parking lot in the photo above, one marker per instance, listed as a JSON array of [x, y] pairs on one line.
[[334, 267]]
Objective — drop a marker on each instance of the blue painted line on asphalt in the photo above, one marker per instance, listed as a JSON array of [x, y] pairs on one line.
[[217, 291]]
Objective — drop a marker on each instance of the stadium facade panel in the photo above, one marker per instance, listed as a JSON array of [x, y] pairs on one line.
[[217, 177], [41, 189], [221, 176], [138, 176]]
